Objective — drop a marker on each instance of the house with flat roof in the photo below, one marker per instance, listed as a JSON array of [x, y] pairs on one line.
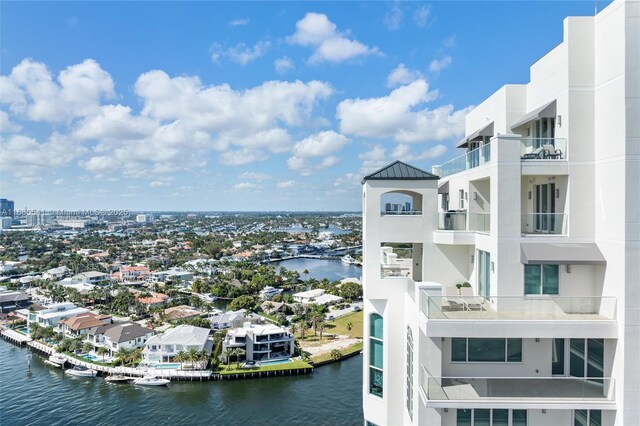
[[261, 342], [11, 300], [164, 347], [53, 313], [91, 277], [317, 296]]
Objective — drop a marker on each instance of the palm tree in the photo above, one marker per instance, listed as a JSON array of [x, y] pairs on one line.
[[87, 347], [349, 327], [294, 327], [306, 272], [303, 327], [227, 353], [239, 352], [181, 357], [336, 354], [203, 358], [193, 356], [316, 318], [320, 325], [102, 351]]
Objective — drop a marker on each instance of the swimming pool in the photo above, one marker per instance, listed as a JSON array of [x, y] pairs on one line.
[[167, 366], [89, 357], [275, 362]]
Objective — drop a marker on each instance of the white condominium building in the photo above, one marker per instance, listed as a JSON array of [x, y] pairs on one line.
[[508, 291]]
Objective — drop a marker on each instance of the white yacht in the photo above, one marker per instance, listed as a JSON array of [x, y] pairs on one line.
[[268, 292], [348, 260], [151, 381], [56, 360], [80, 371]]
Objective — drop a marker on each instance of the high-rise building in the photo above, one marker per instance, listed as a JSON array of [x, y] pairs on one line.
[[523, 306], [6, 208]]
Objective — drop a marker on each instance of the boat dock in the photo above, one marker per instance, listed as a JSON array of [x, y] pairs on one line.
[[15, 337], [103, 370]]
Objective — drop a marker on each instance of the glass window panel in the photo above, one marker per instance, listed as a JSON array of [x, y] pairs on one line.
[[595, 358], [514, 350], [375, 353], [532, 279], [519, 418], [482, 417], [486, 350], [557, 357], [576, 357], [375, 326], [458, 349], [595, 418], [463, 418], [550, 279], [580, 418], [500, 418], [375, 382]]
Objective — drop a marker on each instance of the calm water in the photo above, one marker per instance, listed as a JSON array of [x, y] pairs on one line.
[[321, 268], [43, 395]]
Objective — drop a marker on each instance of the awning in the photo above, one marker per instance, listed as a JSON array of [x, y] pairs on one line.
[[485, 131], [548, 110], [444, 188], [561, 254]]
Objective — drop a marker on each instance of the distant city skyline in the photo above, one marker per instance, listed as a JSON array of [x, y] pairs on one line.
[[212, 106]]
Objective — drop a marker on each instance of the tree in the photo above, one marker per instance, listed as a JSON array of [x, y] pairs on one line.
[[303, 327], [351, 290], [306, 272], [193, 356], [181, 357], [227, 353], [102, 351], [293, 327], [87, 347], [335, 354], [320, 325], [349, 327], [239, 352], [242, 302]]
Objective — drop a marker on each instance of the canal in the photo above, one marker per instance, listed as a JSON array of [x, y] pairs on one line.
[[320, 268]]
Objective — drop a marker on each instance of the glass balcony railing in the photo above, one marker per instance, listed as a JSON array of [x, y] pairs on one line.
[[466, 161], [597, 389], [544, 223], [543, 149], [457, 221], [568, 308]]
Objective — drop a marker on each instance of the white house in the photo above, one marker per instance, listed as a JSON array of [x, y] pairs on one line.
[[540, 215], [261, 342], [53, 313], [231, 319], [55, 273], [127, 335], [91, 277], [164, 347], [317, 296]]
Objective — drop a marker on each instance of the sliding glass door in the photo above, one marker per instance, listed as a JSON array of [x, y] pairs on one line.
[[545, 207], [484, 274]]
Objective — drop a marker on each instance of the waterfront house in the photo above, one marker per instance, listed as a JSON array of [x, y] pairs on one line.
[[317, 296], [181, 312], [55, 274], [53, 313], [11, 300], [91, 277], [232, 319], [80, 324], [128, 335], [164, 347], [156, 299], [519, 299], [261, 342], [173, 274]]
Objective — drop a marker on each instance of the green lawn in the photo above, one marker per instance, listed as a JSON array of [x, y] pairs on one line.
[[339, 326], [346, 351], [296, 363]]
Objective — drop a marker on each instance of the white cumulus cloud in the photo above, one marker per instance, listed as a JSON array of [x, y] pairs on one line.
[[320, 144], [315, 30], [402, 75], [438, 65], [282, 65], [240, 53], [255, 176]]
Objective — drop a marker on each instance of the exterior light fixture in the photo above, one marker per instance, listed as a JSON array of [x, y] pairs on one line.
[[529, 194], [559, 121], [475, 195]]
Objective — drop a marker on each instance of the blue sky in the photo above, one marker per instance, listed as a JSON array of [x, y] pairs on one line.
[[246, 105]]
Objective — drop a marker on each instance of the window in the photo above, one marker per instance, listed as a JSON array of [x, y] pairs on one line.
[[541, 279], [461, 193], [489, 417], [486, 350], [375, 355], [410, 372], [587, 418]]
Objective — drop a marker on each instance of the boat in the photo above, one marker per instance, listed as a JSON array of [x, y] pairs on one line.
[[268, 292], [56, 360], [348, 260], [151, 381], [118, 378], [80, 371]]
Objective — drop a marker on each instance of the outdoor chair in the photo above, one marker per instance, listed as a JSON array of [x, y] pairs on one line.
[[551, 152], [537, 153], [451, 300], [470, 301]]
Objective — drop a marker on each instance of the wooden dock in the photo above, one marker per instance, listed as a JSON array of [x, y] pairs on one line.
[[15, 337]]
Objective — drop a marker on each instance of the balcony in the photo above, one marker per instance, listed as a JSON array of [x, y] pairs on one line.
[[544, 223], [401, 213], [586, 308], [464, 221], [517, 389], [466, 161], [543, 149]]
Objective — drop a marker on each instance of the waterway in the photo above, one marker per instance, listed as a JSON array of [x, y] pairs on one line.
[[320, 268], [44, 395]]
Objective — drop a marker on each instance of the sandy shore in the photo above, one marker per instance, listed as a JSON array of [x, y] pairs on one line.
[[340, 342]]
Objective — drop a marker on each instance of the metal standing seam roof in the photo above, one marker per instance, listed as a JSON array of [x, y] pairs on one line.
[[400, 171]]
